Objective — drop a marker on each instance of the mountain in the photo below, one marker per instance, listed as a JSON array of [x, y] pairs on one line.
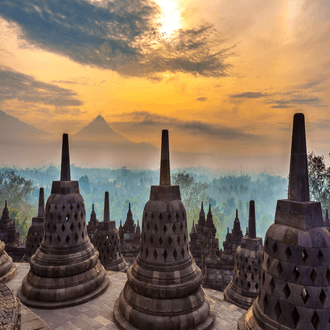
[[14, 131]]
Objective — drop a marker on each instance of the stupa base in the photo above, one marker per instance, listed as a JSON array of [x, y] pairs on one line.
[[9, 275], [164, 323], [120, 267], [233, 295], [67, 303]]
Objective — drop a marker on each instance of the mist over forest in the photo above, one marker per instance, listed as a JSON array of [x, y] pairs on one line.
[[224, 192]]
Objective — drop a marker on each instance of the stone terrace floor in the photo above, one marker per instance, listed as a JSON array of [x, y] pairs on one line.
[[98, 313]]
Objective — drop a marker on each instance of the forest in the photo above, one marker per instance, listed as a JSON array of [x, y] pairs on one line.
[[222, 191]]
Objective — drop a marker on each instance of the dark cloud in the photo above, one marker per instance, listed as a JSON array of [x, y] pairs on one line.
[[15, 85], [249, 95], [202, 99], [120, 35], [285, 100], [145, 119]]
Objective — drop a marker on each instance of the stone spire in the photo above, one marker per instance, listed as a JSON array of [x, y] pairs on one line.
[[5, 212], [65, 164], [92, 224], [165, 252], [165, 175], [201, 223], [243, 289], [209, 228], [106, 217], [252, 221], [61, 268], [237, 234], [8, 231], [298, 177], [293, 286], [93, 214], [129, 226], [36, 230]]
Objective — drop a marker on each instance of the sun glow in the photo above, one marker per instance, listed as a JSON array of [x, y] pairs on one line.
[[170, 18]]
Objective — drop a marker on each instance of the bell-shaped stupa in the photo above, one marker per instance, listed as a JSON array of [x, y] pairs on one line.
[[36, 230], [107, 241], [244, 287], [163, 288], [65, 270], [295, 274]]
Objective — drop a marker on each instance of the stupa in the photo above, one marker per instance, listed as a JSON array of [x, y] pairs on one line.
[[65, 270], [130, 241], [107, 241], [244, 287], [295, 274], [36, 230], [163, 288], [7, 267], [92, 224]]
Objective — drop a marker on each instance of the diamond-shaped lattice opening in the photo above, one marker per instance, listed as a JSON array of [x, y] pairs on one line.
[[315, 321], [151, 240], [304, 255], [184, 238], [156, 228], [144, 237], [83, 235], [174, 228], [320, 256], [160, 217], [278, 310], [182, 252], [160, 241], [76, 237], [274, 248], [295, 273], [265, 302], [152, 216], [155, 254], [257, 286], [288, 253], [249, 268], [67, 239], [313, 275], [286, 291], [165, 229], [50, 238], [175, 254], [51, 216], [58, 238], [78, 206], [328, 275], [63, 227], [178, 240], [304, 296], [146, 252], [148, 227], [322, 297], [181, 226], [72, 227], [249, 285], [268, 262], [279, 268], [295, 317], [252, 277], [75, 216], [169, 217], [71, 207], [169, 241], [272, 284], [177, 216], [245, 276], [79, 225], [54, 227], [63, 208], [165, 255]]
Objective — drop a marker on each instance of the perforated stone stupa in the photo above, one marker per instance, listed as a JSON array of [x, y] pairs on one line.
[[7, 267], [36, 230], [163, 288], [107, 241], [65, 270], [244, 287], [295, 274]]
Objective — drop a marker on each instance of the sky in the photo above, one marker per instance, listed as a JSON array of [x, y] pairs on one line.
[[224, 77]]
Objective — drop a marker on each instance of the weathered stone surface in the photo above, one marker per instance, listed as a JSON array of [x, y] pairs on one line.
[[163, 288], [65, 270], [295, 275], [10, 310], [7, 267]]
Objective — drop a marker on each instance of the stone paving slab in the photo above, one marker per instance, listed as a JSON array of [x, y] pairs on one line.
[[97, 314]]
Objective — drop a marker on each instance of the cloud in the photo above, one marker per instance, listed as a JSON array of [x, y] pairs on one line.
[[144, 119], [283, 100], [22, 87], [202, 99], [120, 35]]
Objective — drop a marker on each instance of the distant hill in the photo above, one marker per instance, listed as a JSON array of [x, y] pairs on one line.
[[14, 131]]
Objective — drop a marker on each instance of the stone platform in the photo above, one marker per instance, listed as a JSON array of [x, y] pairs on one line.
[[98, 313]]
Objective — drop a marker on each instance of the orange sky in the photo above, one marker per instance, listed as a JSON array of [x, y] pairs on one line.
[[225, 77]]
